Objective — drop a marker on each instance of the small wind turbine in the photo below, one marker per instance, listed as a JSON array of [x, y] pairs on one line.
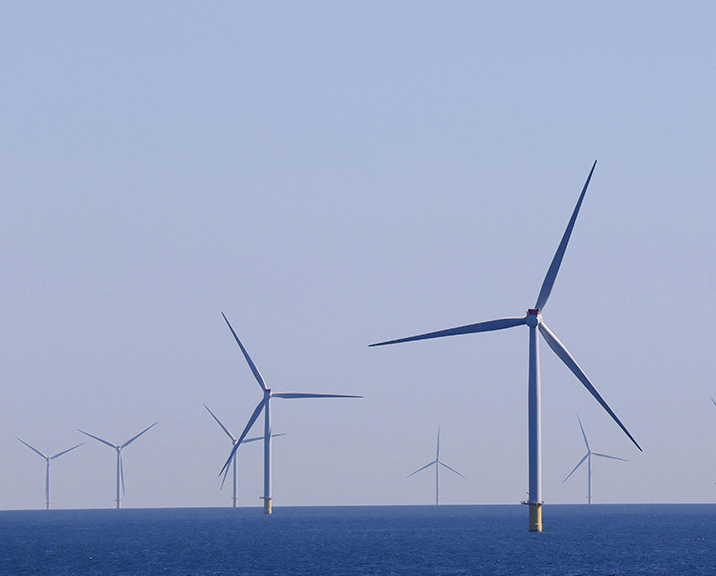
[[120, 467], [437, 463], [47, 471], [233, 441], [588, 458], [534, 321], [265, 405]]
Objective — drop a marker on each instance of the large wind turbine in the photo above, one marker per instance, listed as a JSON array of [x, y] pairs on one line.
[[234, 441], [265, 405], [47, 471], [437, 463], [534, 322], [588, 458], [120, 467]]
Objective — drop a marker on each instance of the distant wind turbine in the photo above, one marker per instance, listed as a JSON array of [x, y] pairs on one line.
[[437, 463], [120, 467], [233, 441], [588, 458], [714, 401], [534, 321], [265, 405], [47, 470]]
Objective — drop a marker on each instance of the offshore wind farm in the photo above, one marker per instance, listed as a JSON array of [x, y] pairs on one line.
[[330, 175]]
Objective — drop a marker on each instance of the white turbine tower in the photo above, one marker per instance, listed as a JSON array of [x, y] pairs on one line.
[[47, 470], [437, 463], [534, 321], [120, 467], [588, 458], [234, 441], [265, 405]]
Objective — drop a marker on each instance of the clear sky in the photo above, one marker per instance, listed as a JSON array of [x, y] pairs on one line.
[[335, 174]]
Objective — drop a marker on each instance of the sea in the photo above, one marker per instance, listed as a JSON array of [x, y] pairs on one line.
[[599, 539]]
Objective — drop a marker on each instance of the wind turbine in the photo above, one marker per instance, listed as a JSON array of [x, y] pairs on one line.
[[533, 320], [120, 468], [437, 463], [233, 441], [47, 471], [265, 405], [588, 458]]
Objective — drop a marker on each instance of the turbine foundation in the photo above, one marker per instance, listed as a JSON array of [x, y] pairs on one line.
[[267, 506], [535, 516]]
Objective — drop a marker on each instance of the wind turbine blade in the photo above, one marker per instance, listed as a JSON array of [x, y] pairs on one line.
[[437, 452], [451, 469], [714, 401], [571, 363], [607, 456], [226, 473], [488, 326], [253, 419], [255, 370], [121, 471], [557, 260], [293, 395], [423, 468], [577, 466], [224, 428], [97, 438], [65, 451], [33, 449], [583, 434], [128, 442], [256, 439]]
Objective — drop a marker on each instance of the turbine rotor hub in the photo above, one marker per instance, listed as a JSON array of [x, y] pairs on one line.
[[533, 318]]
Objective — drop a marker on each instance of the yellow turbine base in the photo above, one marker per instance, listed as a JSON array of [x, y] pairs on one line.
[[535, 517], [267, 506]]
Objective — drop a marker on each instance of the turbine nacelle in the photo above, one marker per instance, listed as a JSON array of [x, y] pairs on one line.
[[533, 318]]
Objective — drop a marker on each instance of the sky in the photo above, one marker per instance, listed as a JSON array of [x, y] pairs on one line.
[[333, 174]]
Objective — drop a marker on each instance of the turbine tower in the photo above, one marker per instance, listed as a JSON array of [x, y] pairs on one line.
[[120, 467], [233, 441], [533, 320], [588, 458], [265, 405], [437, 463], [47, 470]]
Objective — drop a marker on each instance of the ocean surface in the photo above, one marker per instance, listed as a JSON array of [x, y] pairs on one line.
[[383, 540]]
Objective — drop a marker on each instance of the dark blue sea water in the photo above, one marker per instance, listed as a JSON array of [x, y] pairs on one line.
[[405, 540]]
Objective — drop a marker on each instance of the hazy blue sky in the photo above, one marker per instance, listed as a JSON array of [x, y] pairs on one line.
[[332, 174]]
